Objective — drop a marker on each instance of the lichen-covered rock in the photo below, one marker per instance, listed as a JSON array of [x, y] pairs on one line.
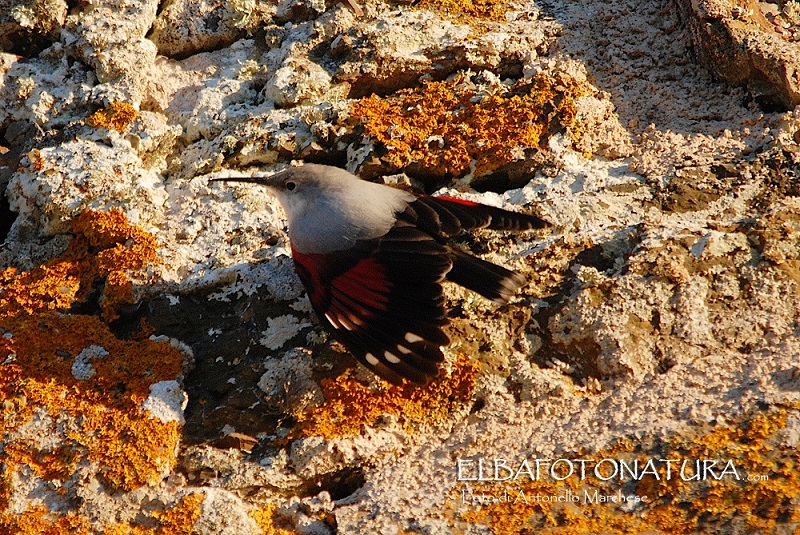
[[298, 81], [74, 391], [55, 184], [28, 25], [389, 53], [162, 371], [742, 47], [183, 28], [46, 91], [110, 38]]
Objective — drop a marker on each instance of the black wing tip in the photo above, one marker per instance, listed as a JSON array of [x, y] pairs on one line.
[[503, 219], [494, 282], [508, 287], [416, 362], [536, 222]]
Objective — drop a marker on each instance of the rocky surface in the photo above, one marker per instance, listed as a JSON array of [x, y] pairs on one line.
[[161, 370], [750, 44]]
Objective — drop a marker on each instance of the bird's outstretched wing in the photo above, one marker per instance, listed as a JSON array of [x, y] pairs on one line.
[[383, 300], [447, 216], [443, 217]]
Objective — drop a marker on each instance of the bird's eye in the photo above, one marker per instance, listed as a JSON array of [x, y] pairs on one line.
[[290, 186]]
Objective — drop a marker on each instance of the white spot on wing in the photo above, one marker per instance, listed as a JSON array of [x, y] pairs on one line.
[[346, 323], [333, 321], [355, 320], [403, 349], [412, 338], [391, 357], [371, 359]]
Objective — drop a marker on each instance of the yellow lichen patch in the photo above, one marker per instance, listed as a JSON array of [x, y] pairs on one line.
[[511, 518], [132, 448], [105, 248], [761, 502], [349, 404], [177, 520], [6, 485], [67, 378], [475, 13], [53, 286], [38, 521], [117, 116], [266, 520], [128, 529], [760, 490], [182, 518], [443, 127]]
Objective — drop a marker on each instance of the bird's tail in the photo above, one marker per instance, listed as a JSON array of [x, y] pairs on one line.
[[491, 281]]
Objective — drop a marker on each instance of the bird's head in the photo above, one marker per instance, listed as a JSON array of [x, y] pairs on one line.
[[329, 208], [297, 188]]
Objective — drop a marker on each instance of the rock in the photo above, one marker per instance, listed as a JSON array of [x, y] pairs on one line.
[[185, 28], [297, 82], [658, 330], [742, 47], [109, 37], [30, 26]]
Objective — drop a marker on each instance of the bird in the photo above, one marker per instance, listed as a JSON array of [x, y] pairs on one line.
[[373, 259]]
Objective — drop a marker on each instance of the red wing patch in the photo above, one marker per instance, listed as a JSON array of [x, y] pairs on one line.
[[358, 295], [459, 201], [383, 300], [310, 268], [366, 283], [349, 298]]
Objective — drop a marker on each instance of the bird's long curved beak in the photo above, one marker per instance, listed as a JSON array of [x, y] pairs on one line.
[[264, 181], [255, 180], [270, 181]]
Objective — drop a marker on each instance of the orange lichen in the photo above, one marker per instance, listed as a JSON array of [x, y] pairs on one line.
[[42, 341], [350, 404], [182, 518], [442, 127], [117, 116], [39, 521], [674, 506], [479, 9], [115, 431], [176, 520], [476, 13], [105, 248], [268, 522]]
